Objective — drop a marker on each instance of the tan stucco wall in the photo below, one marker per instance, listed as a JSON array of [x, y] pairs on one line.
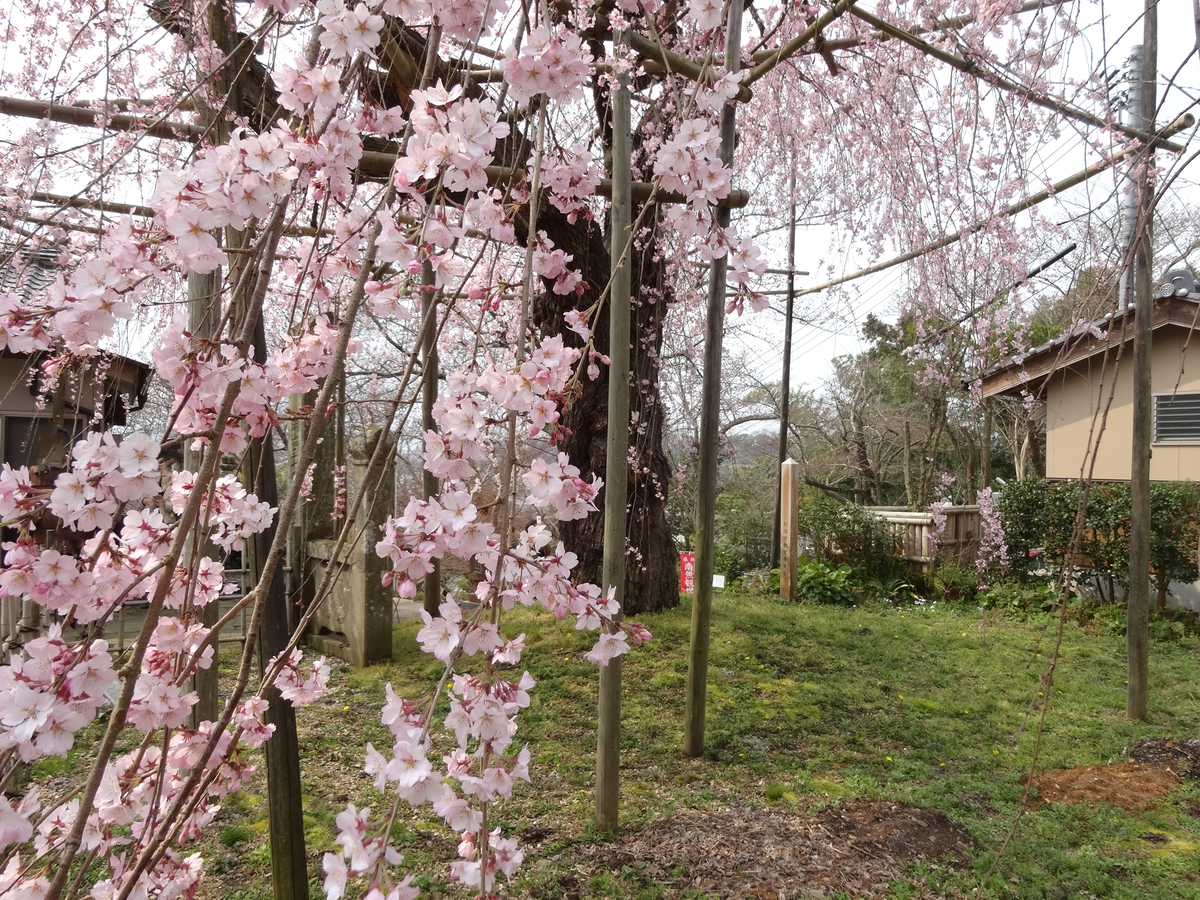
[[1074, 395]]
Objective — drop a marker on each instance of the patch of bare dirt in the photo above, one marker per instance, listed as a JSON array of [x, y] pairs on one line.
[[1131, 786], [777, 854], [1180, 756]]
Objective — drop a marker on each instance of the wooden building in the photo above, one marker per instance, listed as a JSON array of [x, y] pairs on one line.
[[1085, 378]]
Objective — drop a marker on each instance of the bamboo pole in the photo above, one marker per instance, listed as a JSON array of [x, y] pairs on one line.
[[793, 46], [652, 50], [697, 680], [948, 24], [616, 470], [970, 67]]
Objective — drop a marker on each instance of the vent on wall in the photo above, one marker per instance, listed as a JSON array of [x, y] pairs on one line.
[[1177, 419]]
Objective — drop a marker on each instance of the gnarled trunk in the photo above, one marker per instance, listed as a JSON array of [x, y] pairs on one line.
[[650, 582]]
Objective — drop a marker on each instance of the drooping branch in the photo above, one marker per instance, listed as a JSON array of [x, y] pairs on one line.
[[972, 68], [1180, 124]]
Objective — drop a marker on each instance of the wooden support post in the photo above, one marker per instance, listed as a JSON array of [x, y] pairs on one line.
[[1137, 629], [785, 397], [204, 322], [432, 587], [710, 411], [204, 317], [616, 471], [789, 490], [285, 809]]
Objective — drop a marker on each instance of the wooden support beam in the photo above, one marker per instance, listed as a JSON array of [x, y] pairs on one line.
[[793, 46], [62, 201], [1182, 123], [657, 53], [969, 67], [87, 117]]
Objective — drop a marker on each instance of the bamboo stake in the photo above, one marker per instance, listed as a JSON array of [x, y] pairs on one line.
[[710, 411], [793, 46], [432, 587], [951, 24], [616, 472]]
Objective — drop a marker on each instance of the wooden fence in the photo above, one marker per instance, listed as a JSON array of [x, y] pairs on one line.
[[914, 533]]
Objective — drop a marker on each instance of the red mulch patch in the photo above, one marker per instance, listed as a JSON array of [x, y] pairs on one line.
[[1130, 786], [778, 854]]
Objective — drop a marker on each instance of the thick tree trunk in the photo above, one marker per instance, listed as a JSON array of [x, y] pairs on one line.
[[650, 579]]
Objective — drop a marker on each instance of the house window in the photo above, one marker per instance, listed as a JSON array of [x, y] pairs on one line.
[[1177, 418]]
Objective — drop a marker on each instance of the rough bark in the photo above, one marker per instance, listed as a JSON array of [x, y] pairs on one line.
[[650, 579]]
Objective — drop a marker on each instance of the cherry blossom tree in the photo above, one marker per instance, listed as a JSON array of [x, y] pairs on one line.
[[309, 173]]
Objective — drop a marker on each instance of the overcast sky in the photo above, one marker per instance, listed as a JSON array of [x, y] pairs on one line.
[[1109, 31]]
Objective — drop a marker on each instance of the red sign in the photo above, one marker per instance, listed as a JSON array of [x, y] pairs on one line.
[[687, 573]]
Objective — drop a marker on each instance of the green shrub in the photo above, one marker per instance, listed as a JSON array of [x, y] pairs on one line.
[[901, 588], [954, 583], [1040, 516], [728, 560], [236, 834], [847, 533], [816, 581], [1015, 596]]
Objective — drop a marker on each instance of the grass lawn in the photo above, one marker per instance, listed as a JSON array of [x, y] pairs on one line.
[[808, 706]]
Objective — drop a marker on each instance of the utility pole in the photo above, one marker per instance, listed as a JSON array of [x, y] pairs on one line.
[[616, 470], [785, 394], [1129, 195], [1138, 612], [714, 330]]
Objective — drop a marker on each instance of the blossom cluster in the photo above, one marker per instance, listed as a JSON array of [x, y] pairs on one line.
[[81, 310], [452, 137], [993, 548], [689, 163], [234, 513], [200, 372], [104, 475], [551, 62], [227, 185], [571, 176]]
